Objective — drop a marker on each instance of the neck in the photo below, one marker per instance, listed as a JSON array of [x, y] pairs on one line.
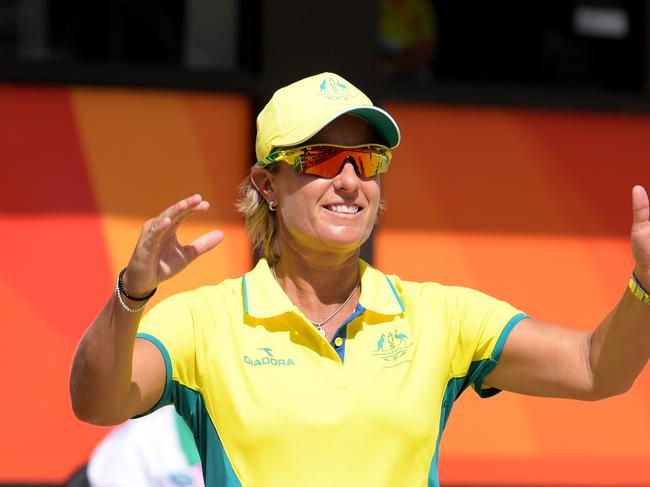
[[328, 280], [318, 287]]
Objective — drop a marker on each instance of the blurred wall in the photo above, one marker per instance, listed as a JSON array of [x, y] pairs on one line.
[[82, 169], [528, 205]]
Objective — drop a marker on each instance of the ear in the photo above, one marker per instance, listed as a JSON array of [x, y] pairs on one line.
[[263, 182]]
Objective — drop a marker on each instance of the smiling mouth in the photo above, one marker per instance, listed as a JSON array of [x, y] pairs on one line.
[[347, 209]]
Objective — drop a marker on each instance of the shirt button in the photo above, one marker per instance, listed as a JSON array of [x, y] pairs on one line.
[[338, 341]]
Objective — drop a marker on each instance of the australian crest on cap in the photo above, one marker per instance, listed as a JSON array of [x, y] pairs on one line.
[[334, 88]]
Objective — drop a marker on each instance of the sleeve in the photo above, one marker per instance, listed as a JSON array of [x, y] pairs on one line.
[[481, 325], [170, 326]]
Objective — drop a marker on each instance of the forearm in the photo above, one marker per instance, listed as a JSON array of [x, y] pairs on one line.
[[620, 346], [100, 379], [114, 376]]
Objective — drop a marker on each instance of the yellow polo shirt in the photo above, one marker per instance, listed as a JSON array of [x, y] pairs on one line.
[[273, 403]]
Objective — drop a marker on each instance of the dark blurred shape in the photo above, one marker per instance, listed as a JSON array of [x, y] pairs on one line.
[[593, 43], [408, 37], [118, 31], [186, 35], [79, 478], [504, 51]]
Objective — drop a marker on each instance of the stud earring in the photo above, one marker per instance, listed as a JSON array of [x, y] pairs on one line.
[[272, 205]]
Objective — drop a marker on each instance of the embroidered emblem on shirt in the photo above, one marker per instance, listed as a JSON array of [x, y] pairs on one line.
[[267, 359], [392, 346]]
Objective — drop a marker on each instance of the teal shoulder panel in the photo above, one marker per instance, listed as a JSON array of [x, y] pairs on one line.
[[455, 386], [452, 391], [217, 469], [165, 399]]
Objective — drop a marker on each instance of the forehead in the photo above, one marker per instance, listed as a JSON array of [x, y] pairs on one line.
[[346, 130]]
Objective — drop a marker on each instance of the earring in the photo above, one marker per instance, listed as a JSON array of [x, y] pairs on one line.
[[272, 205]]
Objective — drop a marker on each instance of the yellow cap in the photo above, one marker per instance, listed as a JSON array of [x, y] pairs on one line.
[[298, 111]]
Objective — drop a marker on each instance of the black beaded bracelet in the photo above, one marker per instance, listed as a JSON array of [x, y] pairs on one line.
[[120, 286]]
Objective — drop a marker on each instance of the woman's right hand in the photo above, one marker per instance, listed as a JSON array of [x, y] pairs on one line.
[[159, 255]]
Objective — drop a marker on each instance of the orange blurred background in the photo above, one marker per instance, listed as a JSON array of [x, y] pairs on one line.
[[532, 206]]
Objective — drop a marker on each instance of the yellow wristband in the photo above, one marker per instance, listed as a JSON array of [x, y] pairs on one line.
[[638, 290]]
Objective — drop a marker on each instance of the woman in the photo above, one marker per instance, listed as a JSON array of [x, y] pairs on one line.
[[315, 368]]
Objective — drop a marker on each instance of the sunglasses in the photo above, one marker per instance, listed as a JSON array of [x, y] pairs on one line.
[[325, 160]]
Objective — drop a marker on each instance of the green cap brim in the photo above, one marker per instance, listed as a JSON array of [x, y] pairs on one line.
[[381, 122]]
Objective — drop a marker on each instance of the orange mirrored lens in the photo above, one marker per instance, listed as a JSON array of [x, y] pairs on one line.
[[327, 161]]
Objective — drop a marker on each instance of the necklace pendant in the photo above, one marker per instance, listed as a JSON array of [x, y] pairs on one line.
[[320, 329]]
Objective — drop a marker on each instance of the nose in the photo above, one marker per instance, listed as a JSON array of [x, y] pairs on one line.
[[347, 178]]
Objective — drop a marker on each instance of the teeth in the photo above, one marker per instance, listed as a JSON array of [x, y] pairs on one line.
[[343, 208]]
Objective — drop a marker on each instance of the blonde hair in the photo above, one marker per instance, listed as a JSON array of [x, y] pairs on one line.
[[261, 223]]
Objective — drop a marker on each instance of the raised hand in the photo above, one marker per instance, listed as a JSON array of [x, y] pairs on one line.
[[641, 234], [158, 255]]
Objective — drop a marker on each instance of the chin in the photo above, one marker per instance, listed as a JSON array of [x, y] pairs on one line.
[[345, 238]]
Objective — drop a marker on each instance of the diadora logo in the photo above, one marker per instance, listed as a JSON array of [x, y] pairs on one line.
[[267, 358], [334, 89], [392, 346]]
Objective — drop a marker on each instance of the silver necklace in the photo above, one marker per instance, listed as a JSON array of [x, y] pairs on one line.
[[319, 324]]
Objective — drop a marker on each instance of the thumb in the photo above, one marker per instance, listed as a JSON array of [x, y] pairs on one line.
[[203, 244], [640, 205]]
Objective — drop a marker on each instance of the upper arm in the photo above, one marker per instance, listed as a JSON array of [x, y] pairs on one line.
[[148, 377], [542, 359], [165, 354]]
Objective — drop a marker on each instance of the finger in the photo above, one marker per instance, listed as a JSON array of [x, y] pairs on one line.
[[202, 244], [157, 228], [640, 205], [183, 215], [153, 231], [186, 206]]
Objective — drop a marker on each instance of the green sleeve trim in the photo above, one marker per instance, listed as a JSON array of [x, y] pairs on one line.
[[498, 348], [166, 398], [489, 365]]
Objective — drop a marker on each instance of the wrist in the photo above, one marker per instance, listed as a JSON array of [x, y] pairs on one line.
[[136, 296], [122, 296]]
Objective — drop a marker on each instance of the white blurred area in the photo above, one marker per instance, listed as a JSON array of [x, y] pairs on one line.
[[604, 22], [146, 452]]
